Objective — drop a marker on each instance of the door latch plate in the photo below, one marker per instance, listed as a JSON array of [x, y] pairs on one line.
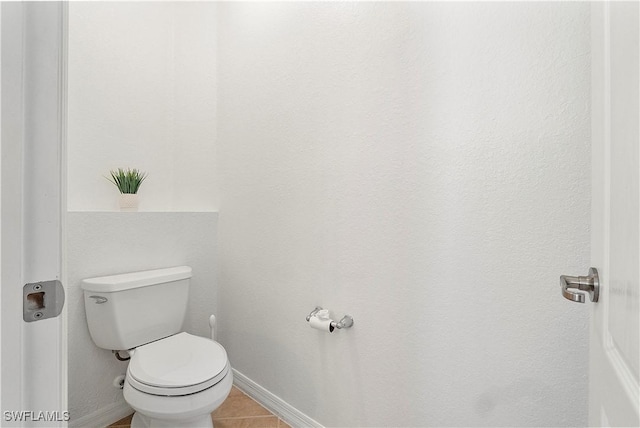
[[42, 300]]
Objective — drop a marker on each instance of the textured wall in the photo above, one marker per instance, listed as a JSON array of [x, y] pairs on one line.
[[108, 243], [142, 93], [425, 168]]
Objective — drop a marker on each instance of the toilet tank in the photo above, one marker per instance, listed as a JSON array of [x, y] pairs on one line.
[[131, 309]]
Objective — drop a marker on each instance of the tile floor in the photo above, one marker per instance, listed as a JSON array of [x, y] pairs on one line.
[[238, 411]]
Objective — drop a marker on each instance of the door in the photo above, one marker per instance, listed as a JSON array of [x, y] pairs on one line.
[[33, 354], [614, 359]]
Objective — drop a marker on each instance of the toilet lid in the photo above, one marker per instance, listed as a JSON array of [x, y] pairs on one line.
[[176, 362]]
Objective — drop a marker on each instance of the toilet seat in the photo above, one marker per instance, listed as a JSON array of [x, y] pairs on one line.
[[177, 365]]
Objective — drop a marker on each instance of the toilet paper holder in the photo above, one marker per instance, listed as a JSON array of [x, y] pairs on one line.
[[345, 322]]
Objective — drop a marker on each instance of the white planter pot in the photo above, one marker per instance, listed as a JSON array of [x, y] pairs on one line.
[[128, 202]]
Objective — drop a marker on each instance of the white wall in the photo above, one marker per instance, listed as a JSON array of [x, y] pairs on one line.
[[101, 244], [142, 94], [425, 168]]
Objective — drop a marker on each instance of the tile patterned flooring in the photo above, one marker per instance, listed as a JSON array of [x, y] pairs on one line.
[[238, 411]]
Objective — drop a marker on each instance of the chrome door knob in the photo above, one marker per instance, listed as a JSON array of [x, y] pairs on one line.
[[588, 284]]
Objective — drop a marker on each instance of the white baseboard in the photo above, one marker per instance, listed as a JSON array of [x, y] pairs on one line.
[[102, 417], [273, 403]]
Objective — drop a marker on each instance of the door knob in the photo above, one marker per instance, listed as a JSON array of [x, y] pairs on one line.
[[589, 284]]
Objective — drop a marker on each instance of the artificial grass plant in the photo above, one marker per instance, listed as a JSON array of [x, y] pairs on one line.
[[127, 181]]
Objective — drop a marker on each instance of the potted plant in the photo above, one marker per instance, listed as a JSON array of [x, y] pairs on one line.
[[128, 182]]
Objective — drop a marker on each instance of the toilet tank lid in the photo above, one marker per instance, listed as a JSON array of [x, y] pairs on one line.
[[125, 281]]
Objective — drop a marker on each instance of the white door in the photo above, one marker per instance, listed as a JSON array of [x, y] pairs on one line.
[[615, 319], [33, 354]]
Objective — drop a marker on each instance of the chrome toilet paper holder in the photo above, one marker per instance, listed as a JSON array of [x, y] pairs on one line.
[[345, 322]]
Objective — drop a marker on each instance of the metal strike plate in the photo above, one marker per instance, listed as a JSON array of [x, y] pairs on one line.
[[42, 300]]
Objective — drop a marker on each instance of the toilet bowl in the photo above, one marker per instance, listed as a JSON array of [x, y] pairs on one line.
[[174, 379], [177, 382]]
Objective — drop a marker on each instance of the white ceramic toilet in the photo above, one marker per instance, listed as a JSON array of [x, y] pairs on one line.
[[174, 379]]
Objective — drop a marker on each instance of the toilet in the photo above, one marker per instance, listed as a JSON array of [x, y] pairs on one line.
[[174, 379]]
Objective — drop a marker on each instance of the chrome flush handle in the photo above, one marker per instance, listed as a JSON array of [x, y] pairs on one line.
[[99, 299], [589, 284]]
